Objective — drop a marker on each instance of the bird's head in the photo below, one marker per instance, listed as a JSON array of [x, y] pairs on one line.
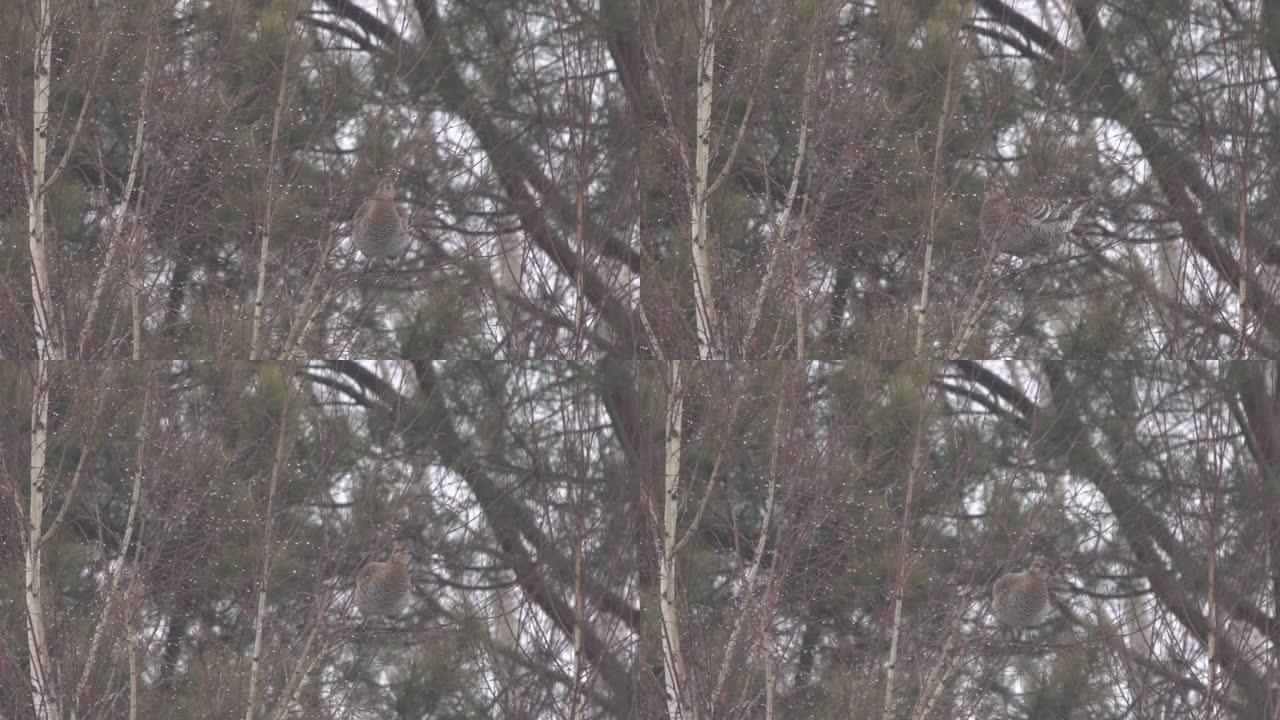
[[1040, 567], [400, 552], [994, 189], [386, 189]]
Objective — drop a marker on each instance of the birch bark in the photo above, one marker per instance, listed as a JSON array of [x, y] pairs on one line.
[[48, 352]]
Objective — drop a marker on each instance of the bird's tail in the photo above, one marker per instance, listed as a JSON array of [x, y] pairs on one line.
[[1079, 208]]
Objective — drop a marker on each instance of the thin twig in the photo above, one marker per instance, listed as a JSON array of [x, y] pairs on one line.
[[753, 573], [303, 667], [118, 231], [135, 498], [307, 310], [780, 229]]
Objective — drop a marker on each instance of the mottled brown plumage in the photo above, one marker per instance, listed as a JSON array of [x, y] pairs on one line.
[[378, 229], [382, 588], [1021, 599], [1026, 225]]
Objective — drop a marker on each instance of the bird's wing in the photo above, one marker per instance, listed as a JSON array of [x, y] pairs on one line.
[[365, 572], [1045, 210], [363, 210], [1002, 585], [993, 209], [992, 215]]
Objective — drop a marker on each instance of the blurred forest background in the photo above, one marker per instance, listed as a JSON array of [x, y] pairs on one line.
[[697, 394]]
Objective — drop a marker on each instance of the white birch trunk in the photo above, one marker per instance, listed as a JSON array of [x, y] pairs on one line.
[[510, 262], [255, 335], [926, 402], [506, 630], [48, 345], [913, 469], [507, 626], [703, 298], [510, 280], [259, 620], [1139, 630], [673, 666], [42, 697], [48, 350]]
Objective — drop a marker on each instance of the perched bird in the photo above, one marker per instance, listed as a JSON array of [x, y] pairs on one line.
[[1021, 599], [382, 588], [378, 229], [1027, 225]]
